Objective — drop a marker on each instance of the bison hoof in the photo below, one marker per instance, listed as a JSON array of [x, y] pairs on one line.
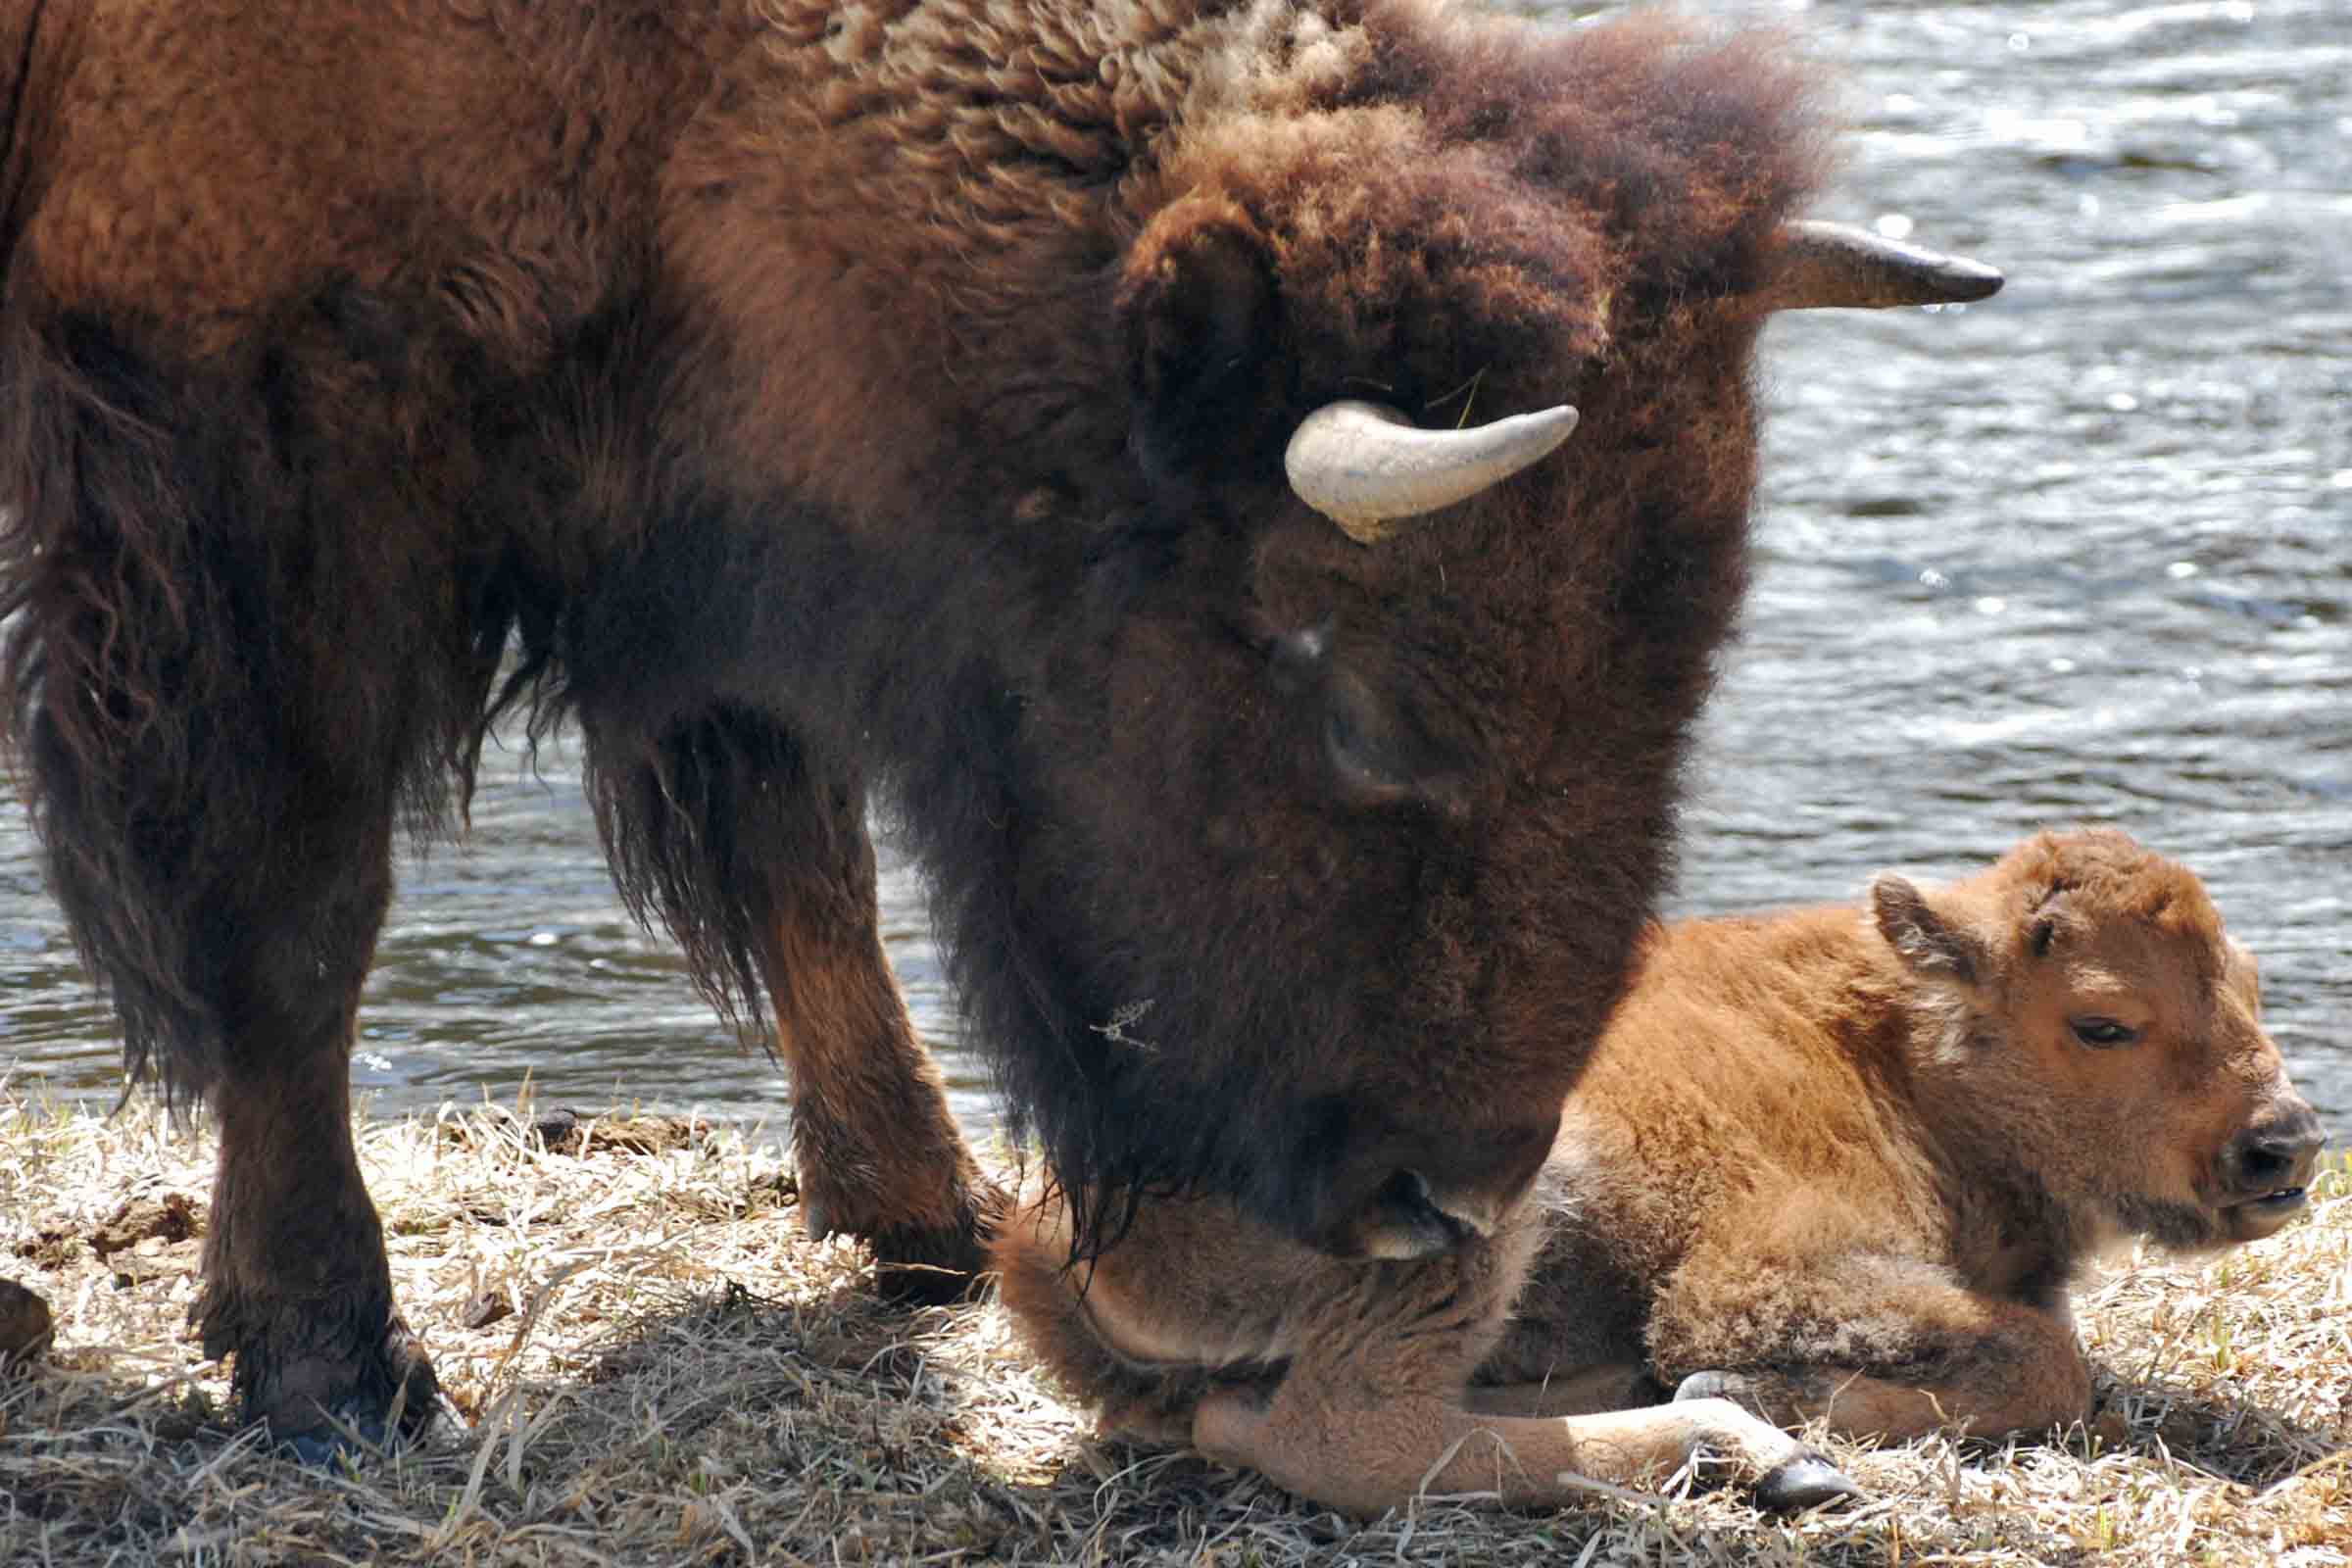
[[25, 1324], [918, 1264], [323, 1414], [356, 1430], [1807, 1480], [352, 1433], [929, 1267]]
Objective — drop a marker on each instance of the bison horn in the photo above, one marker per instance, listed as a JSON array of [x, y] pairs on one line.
[[1366, 467], [1820, 264]]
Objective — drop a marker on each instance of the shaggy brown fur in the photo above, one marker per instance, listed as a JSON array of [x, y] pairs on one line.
[[832, 398], [1823, 1165]]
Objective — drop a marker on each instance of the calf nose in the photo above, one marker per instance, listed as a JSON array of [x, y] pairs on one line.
[[2278, 1153]]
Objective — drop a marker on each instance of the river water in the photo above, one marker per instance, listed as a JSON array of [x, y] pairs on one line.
[[2081, 553]]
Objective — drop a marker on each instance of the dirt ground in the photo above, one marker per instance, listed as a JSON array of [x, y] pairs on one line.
[[654, 1367]]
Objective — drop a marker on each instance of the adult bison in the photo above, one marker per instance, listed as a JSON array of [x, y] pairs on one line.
[[1826, 1164], [946, 399]]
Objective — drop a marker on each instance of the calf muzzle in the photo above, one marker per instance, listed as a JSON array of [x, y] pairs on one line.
[[2267, 1169]]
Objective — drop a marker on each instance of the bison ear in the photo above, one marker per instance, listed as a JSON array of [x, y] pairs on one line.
[[1928, 943], [1197, 308]]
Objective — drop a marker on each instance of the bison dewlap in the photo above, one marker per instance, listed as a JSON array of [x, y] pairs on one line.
[[817, 401]]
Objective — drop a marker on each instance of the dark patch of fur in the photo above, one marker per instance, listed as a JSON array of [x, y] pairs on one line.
[[218, 656]]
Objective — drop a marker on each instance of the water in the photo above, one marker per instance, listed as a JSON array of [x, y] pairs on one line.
[[2082, 553]]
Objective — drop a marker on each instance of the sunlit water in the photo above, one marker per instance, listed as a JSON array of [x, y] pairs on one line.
[[2082, 553]]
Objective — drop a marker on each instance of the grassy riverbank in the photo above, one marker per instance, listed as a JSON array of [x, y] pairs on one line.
[[679, 1378]]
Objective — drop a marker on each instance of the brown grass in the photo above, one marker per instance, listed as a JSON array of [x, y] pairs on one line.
[[682, 1379]]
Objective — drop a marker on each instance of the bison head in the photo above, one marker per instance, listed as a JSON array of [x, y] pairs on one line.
[[1319, 456], [2102, 1041], [1348, 802]]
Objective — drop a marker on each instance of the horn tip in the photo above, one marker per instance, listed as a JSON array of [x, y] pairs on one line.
[[1959, 281]]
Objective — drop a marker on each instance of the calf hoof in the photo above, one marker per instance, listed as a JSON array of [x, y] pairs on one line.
[[1805, 1481]]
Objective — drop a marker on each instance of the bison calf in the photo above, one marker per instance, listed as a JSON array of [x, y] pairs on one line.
[[1843, 1164], [1833, 1163]]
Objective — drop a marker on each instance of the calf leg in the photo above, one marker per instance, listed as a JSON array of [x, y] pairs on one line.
[[756, 852], [1371, 1412], [1877, 1347], [2024, 1377], [1365, 1456], [1341, 1380], [1615, 1387]]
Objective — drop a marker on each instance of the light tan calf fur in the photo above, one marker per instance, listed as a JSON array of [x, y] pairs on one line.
[[1836, 1163], [1344, 1381], [1844, 1164]]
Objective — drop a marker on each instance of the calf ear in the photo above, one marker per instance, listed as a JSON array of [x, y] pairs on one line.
[[1197, 308], [1927, 943]]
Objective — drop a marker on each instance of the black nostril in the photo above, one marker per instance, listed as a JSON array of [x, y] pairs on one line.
[[1406, 1189], [2263, 1166], [2276, 1156]]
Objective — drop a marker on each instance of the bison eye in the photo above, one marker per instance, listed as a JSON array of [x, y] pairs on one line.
[[2102, 1034]]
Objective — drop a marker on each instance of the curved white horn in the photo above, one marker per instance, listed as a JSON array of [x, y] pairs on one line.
[[1365, 466]]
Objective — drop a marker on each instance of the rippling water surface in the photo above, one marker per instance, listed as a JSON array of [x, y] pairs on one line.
[[2082, 553]]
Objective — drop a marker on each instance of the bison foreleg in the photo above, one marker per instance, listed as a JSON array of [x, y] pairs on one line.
[[296, 1286], [754, 851], [878, 1153]]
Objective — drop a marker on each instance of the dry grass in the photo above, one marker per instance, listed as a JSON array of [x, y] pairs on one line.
[[682, 1379]]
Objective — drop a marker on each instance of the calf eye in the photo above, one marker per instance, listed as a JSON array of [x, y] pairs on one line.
[[2102, 1034]]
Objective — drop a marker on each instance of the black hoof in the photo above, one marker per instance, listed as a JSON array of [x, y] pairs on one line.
[[930, 1268], [324, 1411], [927, 1266], [355, 1434], [1805, 1481], [357, 1431]]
